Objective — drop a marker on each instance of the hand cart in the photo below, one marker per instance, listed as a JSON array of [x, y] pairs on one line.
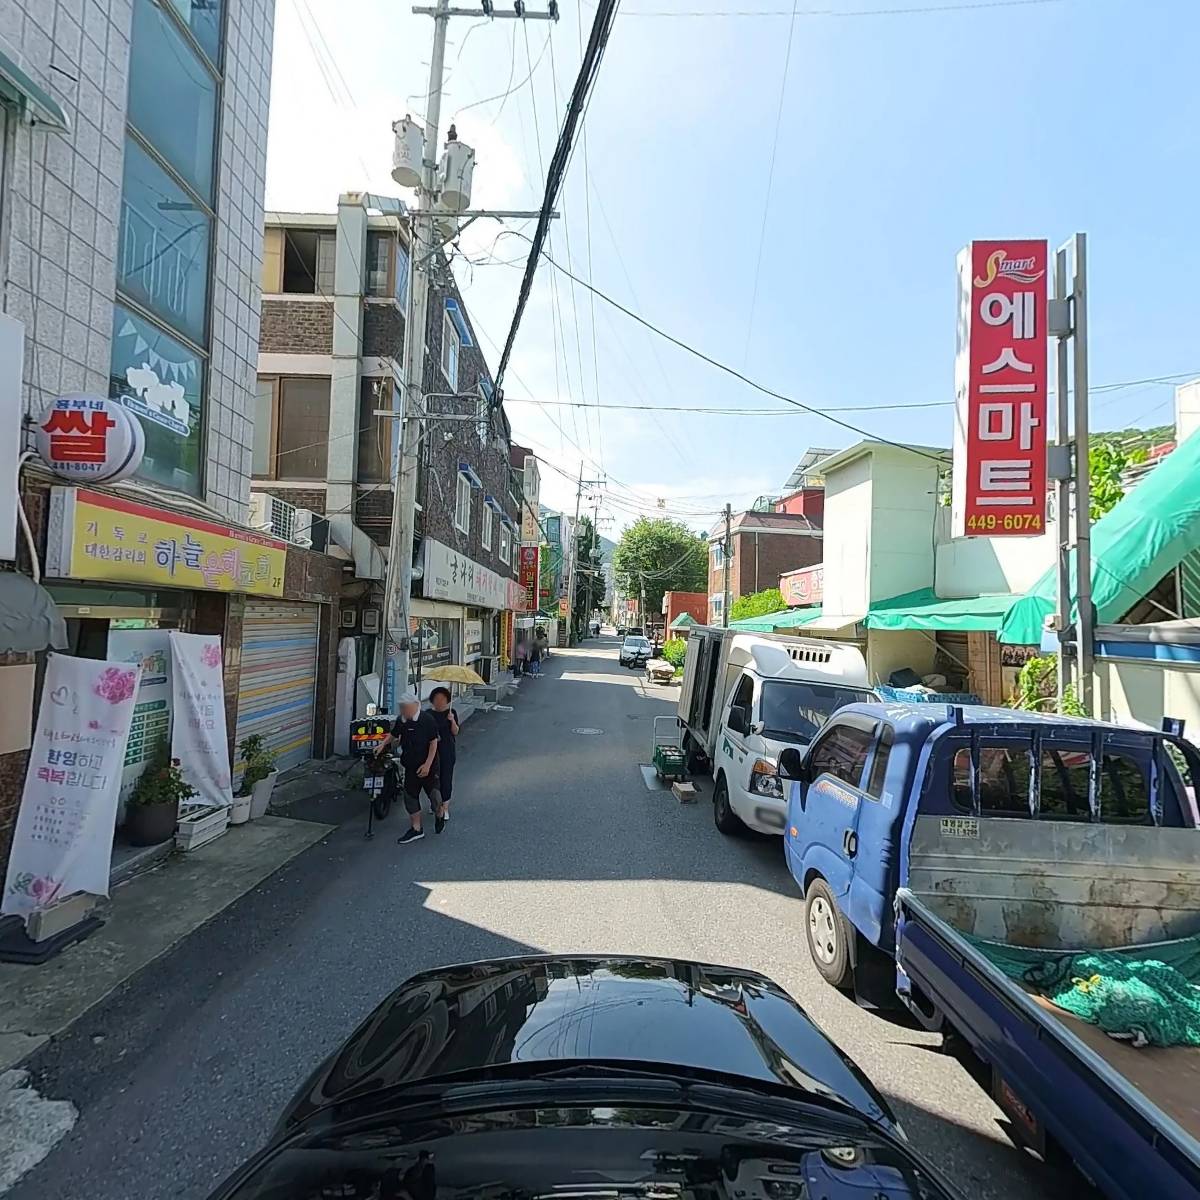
[[667, 749]]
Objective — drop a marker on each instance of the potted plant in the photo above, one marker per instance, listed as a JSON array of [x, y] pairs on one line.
[[258, 778], [153, 808]]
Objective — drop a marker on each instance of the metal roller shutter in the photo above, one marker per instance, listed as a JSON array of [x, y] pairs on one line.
[[276, 697]]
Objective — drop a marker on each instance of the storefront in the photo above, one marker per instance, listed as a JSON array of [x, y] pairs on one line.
[[278, 686]]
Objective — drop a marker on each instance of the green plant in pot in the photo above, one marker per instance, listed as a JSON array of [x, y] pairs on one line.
[[153, 808], [258, 778]]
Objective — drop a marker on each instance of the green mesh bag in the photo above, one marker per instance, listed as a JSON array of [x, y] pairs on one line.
[[1148, 995]]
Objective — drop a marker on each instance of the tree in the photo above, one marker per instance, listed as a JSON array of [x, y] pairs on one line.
[[657, 555], [587, 575], [1107, 462], [757, 604]]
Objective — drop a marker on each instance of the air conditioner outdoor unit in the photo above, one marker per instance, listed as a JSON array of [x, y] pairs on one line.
[[260, 510], [302, 521]]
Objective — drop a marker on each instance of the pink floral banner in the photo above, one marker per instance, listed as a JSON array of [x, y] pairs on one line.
[[63, 840], [198, 737]]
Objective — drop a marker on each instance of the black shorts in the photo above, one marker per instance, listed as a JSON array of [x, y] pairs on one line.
[[414, 785]]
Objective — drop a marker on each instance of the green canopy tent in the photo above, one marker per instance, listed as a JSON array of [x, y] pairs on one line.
[[683, 623], [1146, 535]]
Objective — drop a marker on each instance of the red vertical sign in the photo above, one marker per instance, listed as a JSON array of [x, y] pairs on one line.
[[527, 576], [1000, 382]]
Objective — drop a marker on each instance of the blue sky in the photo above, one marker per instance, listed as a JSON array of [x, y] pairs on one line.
[[903, 136]]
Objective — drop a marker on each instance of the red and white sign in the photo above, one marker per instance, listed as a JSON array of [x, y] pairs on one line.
[[527, 576], [1000, 381], [90, 439], [806, 586]]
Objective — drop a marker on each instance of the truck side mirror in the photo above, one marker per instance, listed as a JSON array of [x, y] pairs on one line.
[[739, 719], [791, 764]]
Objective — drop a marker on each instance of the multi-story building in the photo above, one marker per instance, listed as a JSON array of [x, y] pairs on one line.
[[132, 166], [763, 545], [326, 434]]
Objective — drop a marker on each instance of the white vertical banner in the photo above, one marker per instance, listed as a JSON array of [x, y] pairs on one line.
[[198, 737], [150, 731], [63, 839]]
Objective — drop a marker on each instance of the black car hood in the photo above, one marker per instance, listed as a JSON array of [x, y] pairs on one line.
[[532, 1010]]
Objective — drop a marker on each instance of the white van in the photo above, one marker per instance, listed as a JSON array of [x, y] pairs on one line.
[[745, 698]]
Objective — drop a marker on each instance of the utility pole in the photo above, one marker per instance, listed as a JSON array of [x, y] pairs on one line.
[[1068, 320], [573, 560], [726, 551], [424, 243]]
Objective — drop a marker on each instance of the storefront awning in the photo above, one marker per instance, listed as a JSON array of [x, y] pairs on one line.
[[683, 621], [923, 610], [33, 103], [788, 618], [29, 618], [1145, 536]]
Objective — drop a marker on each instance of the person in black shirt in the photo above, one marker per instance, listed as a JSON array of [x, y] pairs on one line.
[[417, 734], [447, 726]]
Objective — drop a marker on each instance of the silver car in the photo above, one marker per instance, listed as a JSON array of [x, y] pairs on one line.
[[635, 651]]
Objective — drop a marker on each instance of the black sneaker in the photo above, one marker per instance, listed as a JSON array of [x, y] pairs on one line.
[[413, 835], [439, 823]]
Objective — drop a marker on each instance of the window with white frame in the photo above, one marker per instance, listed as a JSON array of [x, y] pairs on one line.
[[718, 554], [450, 348], [462, 505], [505, 543], [485, 533]]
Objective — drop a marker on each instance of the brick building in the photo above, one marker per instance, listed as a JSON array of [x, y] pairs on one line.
[[133, 154], [695, 604], [763, 546], [329, 370]]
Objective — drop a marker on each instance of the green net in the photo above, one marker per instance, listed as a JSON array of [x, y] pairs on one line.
[[1149, 995]]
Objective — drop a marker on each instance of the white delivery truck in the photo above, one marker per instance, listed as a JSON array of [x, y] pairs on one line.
[[745, 698]]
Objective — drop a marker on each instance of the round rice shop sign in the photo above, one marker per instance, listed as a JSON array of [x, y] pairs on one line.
[[90, 439]]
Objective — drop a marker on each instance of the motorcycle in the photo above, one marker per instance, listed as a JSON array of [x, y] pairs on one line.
[[381, 773], [600, 1077]]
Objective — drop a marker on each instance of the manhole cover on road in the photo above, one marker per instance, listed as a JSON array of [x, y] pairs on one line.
[[588, 731]]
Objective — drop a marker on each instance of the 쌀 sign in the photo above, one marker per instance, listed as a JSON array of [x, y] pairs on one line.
[[1000, 381]]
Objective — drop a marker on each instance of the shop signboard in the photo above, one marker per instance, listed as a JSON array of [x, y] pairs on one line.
[[63, 839], [564, 608], [472, 640], [198, 737], [806, 586], [150, 730], [433, 637], [1000, 380], [528, 571], [90, 438], [452, 576], [97, 536]]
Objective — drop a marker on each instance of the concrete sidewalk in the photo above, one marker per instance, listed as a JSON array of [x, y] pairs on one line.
[[146, 916]]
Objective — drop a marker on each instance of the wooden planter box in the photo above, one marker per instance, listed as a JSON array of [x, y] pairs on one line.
[[200, 826]]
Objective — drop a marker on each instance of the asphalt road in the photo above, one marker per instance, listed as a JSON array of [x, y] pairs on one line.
[[555, 844]]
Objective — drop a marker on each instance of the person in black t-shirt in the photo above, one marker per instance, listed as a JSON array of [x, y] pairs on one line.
[[416, 731], [447, 727]]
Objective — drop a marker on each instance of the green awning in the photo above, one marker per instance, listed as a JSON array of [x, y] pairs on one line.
[[683, 621], [788, 618], [923, 610], [32, 102], [1146, 535]]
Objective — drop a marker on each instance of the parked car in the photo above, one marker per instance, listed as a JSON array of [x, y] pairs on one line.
[[745, 698], [591, 1076], [634, 651]]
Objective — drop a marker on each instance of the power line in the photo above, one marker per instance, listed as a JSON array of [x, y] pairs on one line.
[[606, 12], [728, 370], [762, 231], [724, 411], [908, 11]]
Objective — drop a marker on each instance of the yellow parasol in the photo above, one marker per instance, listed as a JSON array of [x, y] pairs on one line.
[[455, 674]]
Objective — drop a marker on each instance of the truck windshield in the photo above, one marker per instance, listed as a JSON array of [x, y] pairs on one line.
[[793, 711]]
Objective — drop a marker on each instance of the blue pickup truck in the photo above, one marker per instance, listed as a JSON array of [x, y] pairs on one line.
[[954, 859]]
